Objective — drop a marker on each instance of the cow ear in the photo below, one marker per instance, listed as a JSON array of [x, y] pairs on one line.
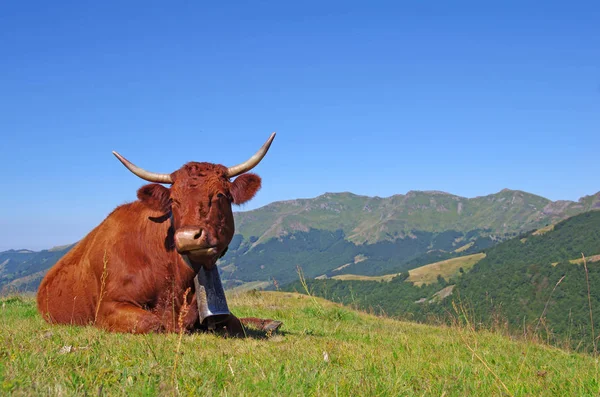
[[245, 187], [155, 197]]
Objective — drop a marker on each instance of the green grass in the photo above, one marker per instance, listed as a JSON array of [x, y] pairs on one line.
[[322, 349]]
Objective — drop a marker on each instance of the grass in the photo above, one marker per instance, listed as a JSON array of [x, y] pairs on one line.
[[464, 247], [544, 230], [250, 286], [385, 277], [580, 261], [425, 274], [323, 349], [428, 274]]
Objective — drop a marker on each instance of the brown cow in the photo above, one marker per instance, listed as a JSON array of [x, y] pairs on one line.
[[130, 273]]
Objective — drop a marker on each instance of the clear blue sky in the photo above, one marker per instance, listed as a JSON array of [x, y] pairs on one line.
[[376, 98]]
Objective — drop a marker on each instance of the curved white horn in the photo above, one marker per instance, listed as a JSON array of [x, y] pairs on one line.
[[142, 173], [252, 161]]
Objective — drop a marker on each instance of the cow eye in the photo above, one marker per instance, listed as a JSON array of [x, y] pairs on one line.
[[223, 195]]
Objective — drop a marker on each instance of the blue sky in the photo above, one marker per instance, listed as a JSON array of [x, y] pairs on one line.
[[376, 98]]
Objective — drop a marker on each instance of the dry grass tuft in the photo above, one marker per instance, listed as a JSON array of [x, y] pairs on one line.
[[103, 278], [180, 320]]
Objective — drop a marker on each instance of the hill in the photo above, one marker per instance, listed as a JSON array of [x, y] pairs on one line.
[[536, 280], [322, 349], [517, 278], [23, 270]]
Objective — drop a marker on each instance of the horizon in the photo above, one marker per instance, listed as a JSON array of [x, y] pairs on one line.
[[424, 191], [372, 99], [60, 246]]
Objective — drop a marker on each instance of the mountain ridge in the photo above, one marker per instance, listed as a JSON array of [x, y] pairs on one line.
[[434, 211]]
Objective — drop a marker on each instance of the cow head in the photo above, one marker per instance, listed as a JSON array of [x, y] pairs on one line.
[[198, 203]]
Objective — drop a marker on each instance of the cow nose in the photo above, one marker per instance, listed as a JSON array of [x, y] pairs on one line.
[[190, 238]]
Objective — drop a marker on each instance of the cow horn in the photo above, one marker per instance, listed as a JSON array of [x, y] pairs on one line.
[[142, 173], [252, 161]]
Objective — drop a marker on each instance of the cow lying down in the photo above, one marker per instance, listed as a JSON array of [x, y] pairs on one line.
[[131, 273]]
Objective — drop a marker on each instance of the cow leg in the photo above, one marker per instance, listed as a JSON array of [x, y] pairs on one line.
[[125, 317]]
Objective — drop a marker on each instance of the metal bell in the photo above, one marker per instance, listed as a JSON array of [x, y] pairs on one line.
[[210, 296]]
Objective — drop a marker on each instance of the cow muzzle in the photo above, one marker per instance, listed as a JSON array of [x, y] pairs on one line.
[[193, 241]]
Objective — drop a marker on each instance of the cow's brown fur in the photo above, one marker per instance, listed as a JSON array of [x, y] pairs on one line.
[[126, 274]]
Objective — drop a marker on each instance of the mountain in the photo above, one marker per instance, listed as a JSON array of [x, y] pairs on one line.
[[371, 219], [342, 233], [23, 270], [534, 282]]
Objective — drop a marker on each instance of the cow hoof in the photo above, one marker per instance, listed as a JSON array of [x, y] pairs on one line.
[[272, 326]]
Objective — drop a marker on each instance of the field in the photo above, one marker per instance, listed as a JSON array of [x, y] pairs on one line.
[[385, 277], [428, 274], [322, 349], [425, 274]]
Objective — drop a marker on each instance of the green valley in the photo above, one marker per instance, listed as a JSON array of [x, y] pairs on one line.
[[533, 282]]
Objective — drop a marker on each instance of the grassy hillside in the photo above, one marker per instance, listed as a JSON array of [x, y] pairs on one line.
[[448, 269], [346, 277], [323, 349], [521, 278], [427, 274]]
